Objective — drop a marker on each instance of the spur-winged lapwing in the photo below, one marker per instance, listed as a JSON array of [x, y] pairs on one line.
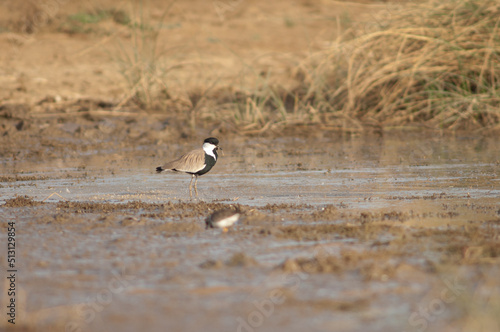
[[196, 162], [223, 219]]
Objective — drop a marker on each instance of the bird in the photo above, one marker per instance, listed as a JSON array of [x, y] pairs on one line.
[[196, 162], [223, 219]]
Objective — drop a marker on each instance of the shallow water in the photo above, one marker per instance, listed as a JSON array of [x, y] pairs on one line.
[[298, 172], [126, 270]]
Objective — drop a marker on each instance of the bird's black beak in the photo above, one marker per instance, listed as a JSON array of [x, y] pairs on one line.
[[219, 148]]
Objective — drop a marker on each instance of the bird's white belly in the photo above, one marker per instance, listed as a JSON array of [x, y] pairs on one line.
[[226, 222]]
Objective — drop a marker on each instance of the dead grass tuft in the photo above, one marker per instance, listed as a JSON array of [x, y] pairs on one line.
[[436, 63]]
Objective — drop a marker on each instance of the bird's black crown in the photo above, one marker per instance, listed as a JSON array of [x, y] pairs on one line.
[[212, 140]]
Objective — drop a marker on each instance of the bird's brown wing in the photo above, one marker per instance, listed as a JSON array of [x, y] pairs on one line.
[[191, 162]]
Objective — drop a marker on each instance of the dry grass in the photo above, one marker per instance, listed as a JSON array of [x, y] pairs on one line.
[[436, 64], [433, 64], [139, 61]]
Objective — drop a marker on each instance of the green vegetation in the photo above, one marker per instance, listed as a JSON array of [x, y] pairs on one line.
[[85, 22], [139, 63], [87, 18]]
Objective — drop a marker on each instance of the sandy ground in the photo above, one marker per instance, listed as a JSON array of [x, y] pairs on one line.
[[205, 43]]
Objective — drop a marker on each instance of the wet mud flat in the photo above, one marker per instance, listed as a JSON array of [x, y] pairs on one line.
[[394, 235]]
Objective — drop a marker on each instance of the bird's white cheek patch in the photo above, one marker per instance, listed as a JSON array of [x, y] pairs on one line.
[[209, 149]]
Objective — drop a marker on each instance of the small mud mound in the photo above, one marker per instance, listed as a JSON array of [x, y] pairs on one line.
[[253, 217], [370, 264], [14, 111], [328, 212], [91, 207], [21, 201], [211, 264], [329, 304], [174, 228], [15, 178], [240, 259], [61, 219], [284, 207], [152, 210], [313, 265], [318, 232]]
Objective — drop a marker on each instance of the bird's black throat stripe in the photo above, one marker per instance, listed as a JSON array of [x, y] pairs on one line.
[[209, 163]]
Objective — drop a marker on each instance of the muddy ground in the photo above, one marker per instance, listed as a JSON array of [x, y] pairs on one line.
[[384, 232], [336, 234]]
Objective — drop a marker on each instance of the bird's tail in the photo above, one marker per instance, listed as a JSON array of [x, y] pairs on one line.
[[159, 169]]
